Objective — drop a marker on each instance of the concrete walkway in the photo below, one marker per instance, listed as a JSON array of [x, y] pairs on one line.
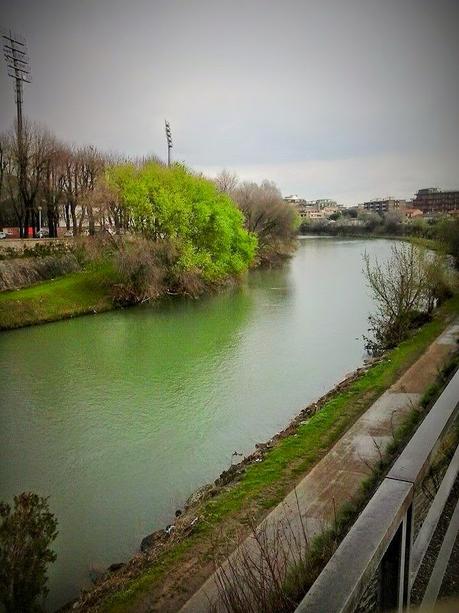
[[337, 477]]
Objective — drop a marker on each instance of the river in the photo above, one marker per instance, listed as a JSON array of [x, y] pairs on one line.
[[118, 417]]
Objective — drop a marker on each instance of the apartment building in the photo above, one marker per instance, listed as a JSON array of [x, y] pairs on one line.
[[434, 200], [384, 205]]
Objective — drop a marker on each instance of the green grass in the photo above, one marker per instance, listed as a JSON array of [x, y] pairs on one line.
[[301, 577], [265, 484], [74, 294]]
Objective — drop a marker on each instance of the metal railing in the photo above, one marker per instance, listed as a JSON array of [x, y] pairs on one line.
[[382, 536]]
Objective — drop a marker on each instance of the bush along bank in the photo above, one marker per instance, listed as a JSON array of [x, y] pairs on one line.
[[185, 238], [179, 235], [220, 511]]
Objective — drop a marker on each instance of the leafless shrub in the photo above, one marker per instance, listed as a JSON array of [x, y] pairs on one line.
[[226, 182], [142, 267], [267, 571], [189, 283], [406, 289], [269, 217]]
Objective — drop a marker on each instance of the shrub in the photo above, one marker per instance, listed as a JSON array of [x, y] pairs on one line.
[[142, 267], [406, 289], [25, 535], [448, 232]]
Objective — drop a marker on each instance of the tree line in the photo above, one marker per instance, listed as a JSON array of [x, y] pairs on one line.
[[83, 187], [40, 172]]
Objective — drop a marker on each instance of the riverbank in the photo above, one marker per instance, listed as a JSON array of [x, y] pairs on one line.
[[90, 291], [93, 290], [69, 296], [170, 571]]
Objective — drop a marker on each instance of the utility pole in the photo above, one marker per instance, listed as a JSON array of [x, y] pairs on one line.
[[169, 141], [17, 61]]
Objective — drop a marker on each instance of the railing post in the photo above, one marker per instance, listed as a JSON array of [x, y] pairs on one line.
[[395, 568]]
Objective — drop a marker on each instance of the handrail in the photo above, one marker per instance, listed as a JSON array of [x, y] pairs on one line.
[[383, 532], [341, 583]]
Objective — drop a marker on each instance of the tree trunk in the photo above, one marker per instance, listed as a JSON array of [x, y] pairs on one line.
[[74, 218], [67, 216]]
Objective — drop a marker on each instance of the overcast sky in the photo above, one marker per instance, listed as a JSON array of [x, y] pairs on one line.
[[349, 99]]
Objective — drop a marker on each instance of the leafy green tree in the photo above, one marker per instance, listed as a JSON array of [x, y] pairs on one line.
[[335, 216], [25, 536], [204, 225]]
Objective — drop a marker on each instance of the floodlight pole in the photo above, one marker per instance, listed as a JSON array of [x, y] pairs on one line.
[[17, 61], [15, 52], [169, 141], [19, 101]]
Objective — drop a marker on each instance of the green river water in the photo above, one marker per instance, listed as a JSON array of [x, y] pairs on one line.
[[119, 417]]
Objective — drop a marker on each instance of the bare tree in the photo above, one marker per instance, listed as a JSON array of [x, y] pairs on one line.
[[11, 180], [24, 169], [53, 183], [91, 166], [227, 181], [3, 162], [405, 289], [70, 185], [268, 216], [83, 167]]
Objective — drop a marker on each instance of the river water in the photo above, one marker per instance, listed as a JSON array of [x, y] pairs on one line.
[[119, 417]]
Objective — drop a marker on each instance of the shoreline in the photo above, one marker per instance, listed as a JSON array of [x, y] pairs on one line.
[[220, 507], [160, 540], [88, 292]]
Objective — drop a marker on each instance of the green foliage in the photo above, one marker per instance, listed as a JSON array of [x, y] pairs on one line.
[[447, 231], [204, 225], [335, 216], [25, 535]]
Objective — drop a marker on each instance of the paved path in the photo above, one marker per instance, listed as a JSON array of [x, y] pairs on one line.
[[337, 477]]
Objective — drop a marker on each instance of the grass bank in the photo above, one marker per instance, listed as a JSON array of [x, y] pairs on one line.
[[74, 294], [88, 291], [301, 577], [160, 580]]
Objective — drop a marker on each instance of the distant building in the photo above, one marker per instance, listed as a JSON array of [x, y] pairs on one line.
[[434, 200], [326, 203], [384, 205], [295, 200], [308, 211], [313, 209], [412, 213]]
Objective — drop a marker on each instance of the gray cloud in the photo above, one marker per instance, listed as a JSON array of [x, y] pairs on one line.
[[345, 98]]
